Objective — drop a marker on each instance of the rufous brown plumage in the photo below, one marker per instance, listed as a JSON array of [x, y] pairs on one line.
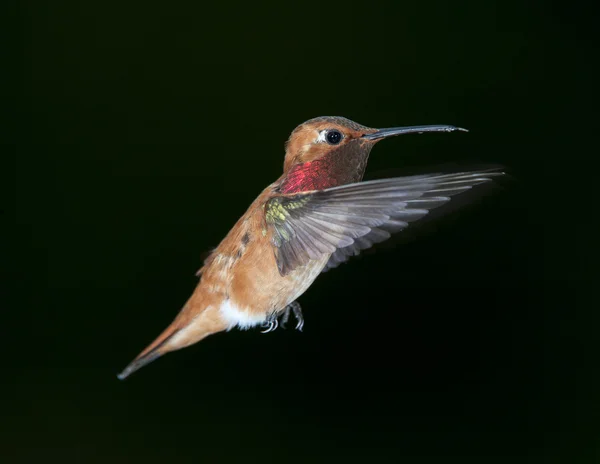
[[315, 216]]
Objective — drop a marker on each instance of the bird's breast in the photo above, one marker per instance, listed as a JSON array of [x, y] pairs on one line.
[[243, 271], [256, 283]]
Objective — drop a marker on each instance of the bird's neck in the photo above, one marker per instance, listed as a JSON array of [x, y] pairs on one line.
[[330, 170]]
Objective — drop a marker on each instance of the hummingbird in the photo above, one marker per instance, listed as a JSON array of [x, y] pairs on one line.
[[315, 216]]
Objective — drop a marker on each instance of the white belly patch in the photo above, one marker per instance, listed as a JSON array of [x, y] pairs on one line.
[[242, 318]]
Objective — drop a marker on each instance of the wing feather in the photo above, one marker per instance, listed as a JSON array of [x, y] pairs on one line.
[[342, 221]]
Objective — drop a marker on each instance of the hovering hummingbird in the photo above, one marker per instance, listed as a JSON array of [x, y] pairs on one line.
[[314, 217]]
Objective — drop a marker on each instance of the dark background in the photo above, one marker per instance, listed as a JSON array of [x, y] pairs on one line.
[[143, 130]]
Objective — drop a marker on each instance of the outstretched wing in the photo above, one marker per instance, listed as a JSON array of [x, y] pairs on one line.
[[344, 220]]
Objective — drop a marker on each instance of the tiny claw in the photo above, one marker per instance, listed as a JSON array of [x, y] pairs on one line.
[[272, 323], [295, 307], [268, 329]]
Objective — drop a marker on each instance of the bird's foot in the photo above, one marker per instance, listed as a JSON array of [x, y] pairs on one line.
[[272, 321], [294, 307]]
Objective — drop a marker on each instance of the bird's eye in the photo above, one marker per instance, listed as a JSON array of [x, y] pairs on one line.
[[333, 137]]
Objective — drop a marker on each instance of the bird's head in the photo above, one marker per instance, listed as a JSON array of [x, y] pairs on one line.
[[331, 150]]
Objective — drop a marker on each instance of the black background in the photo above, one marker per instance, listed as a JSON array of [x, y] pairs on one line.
[[143, 130]]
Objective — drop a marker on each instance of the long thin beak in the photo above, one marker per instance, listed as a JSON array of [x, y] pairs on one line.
[[383, 133]]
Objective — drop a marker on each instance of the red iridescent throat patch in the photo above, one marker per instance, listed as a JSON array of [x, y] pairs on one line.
[[312, 175]]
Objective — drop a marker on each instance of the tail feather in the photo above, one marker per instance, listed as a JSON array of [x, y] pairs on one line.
[[153, 351], [138, 363], [199, 318]]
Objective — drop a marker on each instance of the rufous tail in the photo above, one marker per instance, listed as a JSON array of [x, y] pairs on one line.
[[200, 317], [152, 352]]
